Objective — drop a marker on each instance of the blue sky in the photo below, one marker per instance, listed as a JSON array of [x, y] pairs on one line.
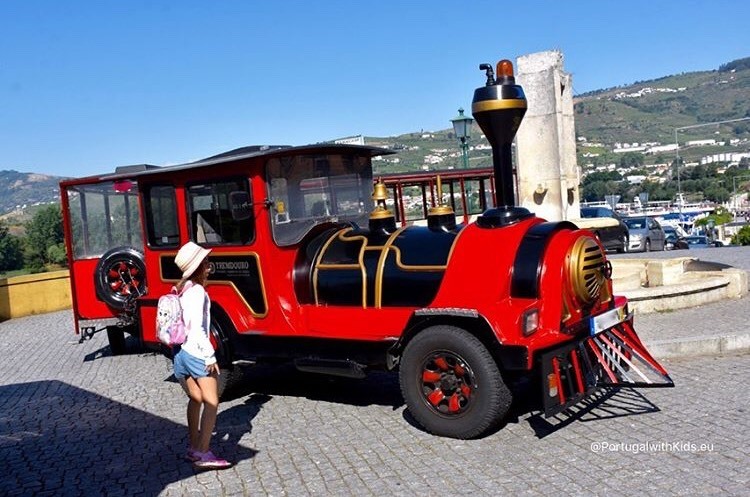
[[89, 85]]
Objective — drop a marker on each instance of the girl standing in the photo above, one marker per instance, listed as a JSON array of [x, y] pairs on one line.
[[194, 361]]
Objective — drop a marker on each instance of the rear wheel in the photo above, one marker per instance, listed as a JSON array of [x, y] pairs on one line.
[[451, 384], [120, 276]]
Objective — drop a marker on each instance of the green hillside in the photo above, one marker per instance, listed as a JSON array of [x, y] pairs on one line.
[[643, 112], [23, 190], [431, 149], [617, 115]]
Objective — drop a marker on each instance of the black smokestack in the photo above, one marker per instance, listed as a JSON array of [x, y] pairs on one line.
[[498, 108]]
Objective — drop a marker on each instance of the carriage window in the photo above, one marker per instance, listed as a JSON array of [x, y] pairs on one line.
[[221, 212], [104, 216], [307, 190], [161, 216]]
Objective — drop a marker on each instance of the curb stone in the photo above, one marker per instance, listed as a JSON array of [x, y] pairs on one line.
[[699, 346]]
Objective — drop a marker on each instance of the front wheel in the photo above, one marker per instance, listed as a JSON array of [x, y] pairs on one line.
[[451, 384]]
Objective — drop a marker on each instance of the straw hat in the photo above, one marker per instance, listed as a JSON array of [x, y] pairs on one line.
[[189, 257]]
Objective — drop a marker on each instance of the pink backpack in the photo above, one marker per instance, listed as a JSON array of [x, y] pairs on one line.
[[170, 327]]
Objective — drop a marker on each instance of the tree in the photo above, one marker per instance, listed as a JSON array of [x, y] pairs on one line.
[[11, 256], [43, 232], [717, 193], [696, 172], [742, 237], [596, 190], [631, 159], [601, 176], [720, 216]]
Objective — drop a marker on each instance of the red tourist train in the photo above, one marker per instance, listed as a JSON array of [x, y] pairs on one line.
[[309, 265]]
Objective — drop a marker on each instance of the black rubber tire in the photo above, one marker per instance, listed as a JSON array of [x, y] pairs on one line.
[[116, 337], [625, 240], [112, 260], [230, 374], [647, 247], [490, 399]]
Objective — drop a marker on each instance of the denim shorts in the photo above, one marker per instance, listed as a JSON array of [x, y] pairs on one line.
[[188, 365]]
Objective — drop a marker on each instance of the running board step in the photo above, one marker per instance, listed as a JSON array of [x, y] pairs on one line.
[[243, 362], [345, 368]]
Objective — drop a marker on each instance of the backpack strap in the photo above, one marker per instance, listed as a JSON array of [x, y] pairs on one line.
[[188, 284]]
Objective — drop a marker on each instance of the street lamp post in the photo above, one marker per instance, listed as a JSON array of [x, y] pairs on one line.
[[462, 128], [679, 162]]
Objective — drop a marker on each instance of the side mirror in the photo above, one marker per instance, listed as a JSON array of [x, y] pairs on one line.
[[240, 205]]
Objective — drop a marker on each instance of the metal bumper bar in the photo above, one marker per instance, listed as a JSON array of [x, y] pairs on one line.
[[614, 357]]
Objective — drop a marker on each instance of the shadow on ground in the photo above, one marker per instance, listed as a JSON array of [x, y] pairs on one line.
[[602, 405], [133, 346], [57, 439], [378, 388]]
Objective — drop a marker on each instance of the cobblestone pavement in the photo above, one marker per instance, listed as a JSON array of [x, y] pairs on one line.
[[75, 420]]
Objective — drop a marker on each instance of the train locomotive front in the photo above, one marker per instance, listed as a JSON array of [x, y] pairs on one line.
[[508, 295]]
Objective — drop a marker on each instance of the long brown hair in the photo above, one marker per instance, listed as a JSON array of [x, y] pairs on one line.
[[199, 276]]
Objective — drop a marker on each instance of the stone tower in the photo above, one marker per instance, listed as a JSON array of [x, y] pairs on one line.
[[548, 175]]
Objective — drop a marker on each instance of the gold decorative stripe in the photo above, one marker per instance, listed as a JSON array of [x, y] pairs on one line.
[[229, 283], [341, 235], [161, 265], [338, 266], [234, 287], [381, 267], [407, 267], [486, 105], [360, 237], [455, 240], [317, 262], [384, 249]]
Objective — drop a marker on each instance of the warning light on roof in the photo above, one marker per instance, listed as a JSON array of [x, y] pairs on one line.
[[123, 186], [504, 69]]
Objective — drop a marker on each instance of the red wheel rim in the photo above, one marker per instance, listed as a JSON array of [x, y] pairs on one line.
[[124, 279], [448, 383]]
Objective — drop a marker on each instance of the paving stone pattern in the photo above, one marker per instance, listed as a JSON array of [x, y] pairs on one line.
[[75, 420]]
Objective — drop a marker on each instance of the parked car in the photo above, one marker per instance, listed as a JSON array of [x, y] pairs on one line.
[[701, 241], [673, 238], [645, 234], [607, 225]]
